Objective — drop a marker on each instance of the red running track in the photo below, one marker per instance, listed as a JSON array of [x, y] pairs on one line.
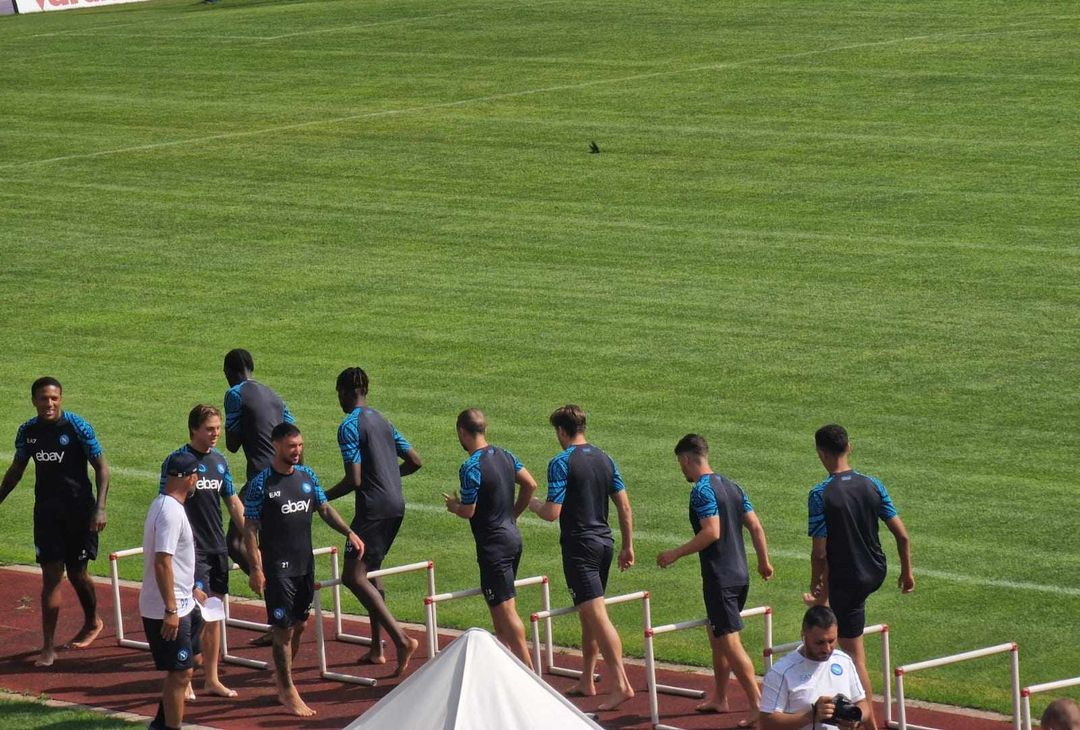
[[106, 675]]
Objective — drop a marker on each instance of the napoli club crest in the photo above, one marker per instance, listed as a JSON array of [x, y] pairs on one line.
[[279, 613], [64, 439], [202, 468], [220, 468], [836, 669], [182, 655], [307, 488]]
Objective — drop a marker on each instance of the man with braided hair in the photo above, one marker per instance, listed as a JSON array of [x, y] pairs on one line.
[[376, 457]]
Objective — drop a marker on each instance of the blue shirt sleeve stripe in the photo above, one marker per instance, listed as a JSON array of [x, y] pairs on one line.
[[401, 443], [85, 433], [558, 470], [617, 484], [746, 506], [517, 464], [164, 473], [703, 499], [470, 481], [816, 509], [887, 510], [254, 497], [286, 414], [21, 452], [229, 487], [349, 439], [232, 408]]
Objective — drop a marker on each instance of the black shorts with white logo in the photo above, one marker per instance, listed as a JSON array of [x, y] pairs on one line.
[[212, 573], [378, 536], [723, 606], [178, 654], [62, 533], [848, 602], [585, 567], [497, 576], [288, 599]]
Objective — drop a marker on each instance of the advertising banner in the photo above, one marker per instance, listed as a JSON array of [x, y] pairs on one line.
[[38, 6], [6, 7]]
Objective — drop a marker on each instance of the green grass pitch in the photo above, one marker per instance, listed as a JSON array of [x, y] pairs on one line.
[[801, 213]]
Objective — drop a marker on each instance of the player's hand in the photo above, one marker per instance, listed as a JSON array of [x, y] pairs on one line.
[[823, 709], [257, 581], [626, 558], [535, 505], [452, 502], [906, 582], [170, 627], [357, 543], [666, 558], [200, 595], [765, 570], [815, 599], [97, 522]]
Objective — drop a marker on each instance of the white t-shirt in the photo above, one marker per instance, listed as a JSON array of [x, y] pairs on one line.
[[167, 530], [795, 683]]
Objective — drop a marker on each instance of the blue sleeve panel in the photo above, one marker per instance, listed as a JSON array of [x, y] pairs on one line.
[[558, 470], [229, 488], [286, 414], [21, 452], [85, 433], [401, 443], [746, 506], [165, 473], [254, 497], [617, 484], [816, 511], [517, 464], [232, 408], [348, 437], [703, 499], [317, 490], [887, 510], [470, 480]]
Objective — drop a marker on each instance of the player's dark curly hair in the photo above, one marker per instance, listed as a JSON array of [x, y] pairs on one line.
[[832, 439], [353, 380], [284, 431], [45, 383], [239, 360], [818, 617], [691, 443]]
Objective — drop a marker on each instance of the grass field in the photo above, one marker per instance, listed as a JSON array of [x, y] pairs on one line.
[[802, 213], [29, 713]]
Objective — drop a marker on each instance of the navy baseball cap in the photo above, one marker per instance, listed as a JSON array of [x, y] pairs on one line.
[[182, 464]]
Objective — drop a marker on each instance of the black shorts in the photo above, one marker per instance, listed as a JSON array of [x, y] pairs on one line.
[[62, 533], [288, 599], [848, 602], [212, 573], [586, 566], [378, 536], [723, 606], [497, 576], [178, 654]]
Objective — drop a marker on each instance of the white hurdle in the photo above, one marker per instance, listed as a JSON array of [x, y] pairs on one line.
[[886, 672], [1026, 692], [650, 660], [1014, 660], [335, 583], [119, 614], [540, 580], [539, 616]]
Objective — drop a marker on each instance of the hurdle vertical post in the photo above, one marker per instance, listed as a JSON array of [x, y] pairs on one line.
[[114, 572], [1026, 692]]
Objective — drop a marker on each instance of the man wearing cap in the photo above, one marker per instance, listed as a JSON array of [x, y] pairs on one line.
[[277, 513], [213, 486], [170, 616]]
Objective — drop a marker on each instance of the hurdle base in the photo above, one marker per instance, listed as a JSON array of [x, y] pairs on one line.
[[354, 639], [239, 623], [574, 673], [245, 662], [133, 644], [894, 725], [670, 689], [365, 681]]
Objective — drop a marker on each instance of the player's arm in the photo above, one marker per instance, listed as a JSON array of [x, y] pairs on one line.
[[903, 547], [256, 579], [706, 536], [12, 476], [163, 574], [547, 511], [526, 489], [236, 510], [331, 517], [551, 509], [410, 462], [819, 574], [757, 536], [626, 528], [101, 476], [348, 484], [234, 434]]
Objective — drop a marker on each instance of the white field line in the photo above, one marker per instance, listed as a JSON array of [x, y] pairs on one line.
[[670, 539], [491, 97]]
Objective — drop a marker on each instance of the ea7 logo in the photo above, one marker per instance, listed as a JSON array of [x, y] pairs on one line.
[[290, 507], [57, 456], [274, 495]]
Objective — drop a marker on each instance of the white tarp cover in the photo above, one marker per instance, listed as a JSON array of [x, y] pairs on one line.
[[474, 684]]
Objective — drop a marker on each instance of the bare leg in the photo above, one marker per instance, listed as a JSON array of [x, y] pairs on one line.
[[172, 696], [51, 575], [855, 649], [211, 652], [718, 702], [586, 684], [287, 694], [84, 589], [510, 630], [594, 613], [738, 660], [354, 576]]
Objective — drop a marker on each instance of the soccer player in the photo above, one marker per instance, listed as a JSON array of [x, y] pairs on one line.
[[251, 412], [171, 618], [277, 511], [487, 500], [719, 510], [67, 519], [846, 561], [371, 448], [581, 479], [213, 486]]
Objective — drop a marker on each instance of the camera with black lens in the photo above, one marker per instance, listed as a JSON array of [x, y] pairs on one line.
[[844, 710]]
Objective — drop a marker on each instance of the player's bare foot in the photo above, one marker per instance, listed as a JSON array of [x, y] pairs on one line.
[[712, 706], [45, 658], [615, 699], [372, 658], [582, 689], [86, 636], [189, 693], [265, 640], [218, 690], [405, 654], [291, 701]]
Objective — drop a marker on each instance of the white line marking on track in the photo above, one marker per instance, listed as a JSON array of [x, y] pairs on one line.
[[664, 538], [491, 97]]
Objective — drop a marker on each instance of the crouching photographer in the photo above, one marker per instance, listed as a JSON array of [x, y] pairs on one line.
[[815, 686]]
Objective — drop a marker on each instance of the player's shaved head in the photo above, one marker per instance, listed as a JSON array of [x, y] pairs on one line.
[[1063, 714], [570, 418], [694, 445], [472, 420], [45, 382]]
